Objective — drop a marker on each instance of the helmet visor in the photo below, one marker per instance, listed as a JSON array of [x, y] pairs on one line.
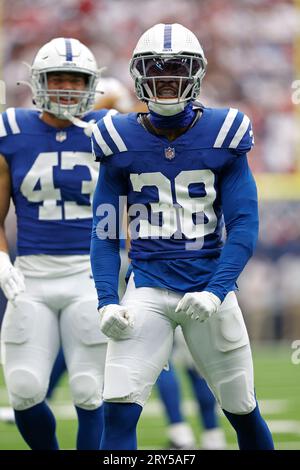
[[159, 66]]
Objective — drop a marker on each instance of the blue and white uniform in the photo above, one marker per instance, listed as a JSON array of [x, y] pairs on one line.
[[207, 172], [180, 195], [53, 175]]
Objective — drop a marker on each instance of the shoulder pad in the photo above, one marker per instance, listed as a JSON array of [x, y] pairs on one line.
[[97, 114], [9, 122], [106, 137], [234, 131]]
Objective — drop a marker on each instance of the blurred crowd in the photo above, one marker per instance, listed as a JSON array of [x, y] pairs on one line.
[[251, 47]]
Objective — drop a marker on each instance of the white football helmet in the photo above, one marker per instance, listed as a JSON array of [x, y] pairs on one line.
[[70, 56], [168, 52]]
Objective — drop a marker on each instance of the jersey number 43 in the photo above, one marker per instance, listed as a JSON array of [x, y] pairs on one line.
[[38, 185]]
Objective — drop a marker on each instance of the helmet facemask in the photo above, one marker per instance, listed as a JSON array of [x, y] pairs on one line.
[[77, 102], [182, 74]]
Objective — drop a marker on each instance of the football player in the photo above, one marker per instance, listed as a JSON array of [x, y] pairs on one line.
[[47, 167], [183, 169], [113, 94]]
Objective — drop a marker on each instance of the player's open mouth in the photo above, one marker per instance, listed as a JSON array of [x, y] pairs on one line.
[[167, 92], [67, 101]]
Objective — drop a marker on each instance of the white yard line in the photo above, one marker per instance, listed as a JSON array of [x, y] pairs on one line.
[[284, 426], [269, 407], [155, 408]]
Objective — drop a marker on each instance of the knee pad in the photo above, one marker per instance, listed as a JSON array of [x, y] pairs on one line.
[[117, 383], [25, 389], [86, 391], [236, 394], [120, 386]]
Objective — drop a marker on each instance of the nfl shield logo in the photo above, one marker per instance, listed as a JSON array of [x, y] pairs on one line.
[[170, 153], [61, 136]]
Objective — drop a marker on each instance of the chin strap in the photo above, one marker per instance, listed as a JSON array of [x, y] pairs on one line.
[[86, 126], [179, 120]]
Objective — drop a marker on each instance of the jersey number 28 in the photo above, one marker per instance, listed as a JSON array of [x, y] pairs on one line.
[[183, 218]]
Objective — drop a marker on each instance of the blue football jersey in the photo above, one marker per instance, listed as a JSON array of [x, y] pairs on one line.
[[178, 193], [53, 176]]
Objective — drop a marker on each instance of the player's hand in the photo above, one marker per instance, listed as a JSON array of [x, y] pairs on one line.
[[115, 320], [11, 279], [199, 305]]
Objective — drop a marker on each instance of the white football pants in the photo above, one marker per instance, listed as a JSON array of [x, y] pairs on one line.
[[53, 312], [220, 348]]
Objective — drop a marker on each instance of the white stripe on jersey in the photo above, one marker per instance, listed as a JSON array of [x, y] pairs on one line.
[[3, 132], [240, 133], [231, 115], [114, 133], [98, 136], [11, 116], [112, 112], [101, 142]]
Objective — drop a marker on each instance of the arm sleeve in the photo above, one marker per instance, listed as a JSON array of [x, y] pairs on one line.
[[240, 209], [242, 141], [107, 220]]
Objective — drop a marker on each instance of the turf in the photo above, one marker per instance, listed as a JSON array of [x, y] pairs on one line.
[[277, 382]]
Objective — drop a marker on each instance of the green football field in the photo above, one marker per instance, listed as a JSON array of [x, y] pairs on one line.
[[277, 388]]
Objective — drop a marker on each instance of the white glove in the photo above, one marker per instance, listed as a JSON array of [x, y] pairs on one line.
[[11, 279], [115, 320], [199, 305]]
